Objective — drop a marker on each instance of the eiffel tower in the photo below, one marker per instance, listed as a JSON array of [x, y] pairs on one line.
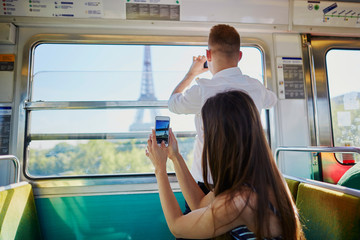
[[147, 94]]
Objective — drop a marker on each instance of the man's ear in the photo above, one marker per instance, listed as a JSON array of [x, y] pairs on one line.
[[208, 55], [240, 55]]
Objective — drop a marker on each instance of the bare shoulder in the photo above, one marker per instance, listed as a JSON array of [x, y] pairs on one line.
[[233, 211], [222, 214]]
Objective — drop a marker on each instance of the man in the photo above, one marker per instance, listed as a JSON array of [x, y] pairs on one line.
[[222, 56]]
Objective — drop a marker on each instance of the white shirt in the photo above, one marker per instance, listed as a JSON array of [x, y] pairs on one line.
[[192, 100]]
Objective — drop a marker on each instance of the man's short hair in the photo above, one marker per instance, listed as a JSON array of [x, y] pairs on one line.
[[224, 38]]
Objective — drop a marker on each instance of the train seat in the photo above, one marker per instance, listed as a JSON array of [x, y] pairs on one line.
[[293, 186], [351, 178], [328, 214], [74, 213], [18, 216]]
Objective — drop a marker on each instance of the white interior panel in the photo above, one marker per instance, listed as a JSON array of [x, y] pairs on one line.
[[292, 129]]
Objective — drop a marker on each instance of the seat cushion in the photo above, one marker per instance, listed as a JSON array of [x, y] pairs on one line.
[[328, 214]]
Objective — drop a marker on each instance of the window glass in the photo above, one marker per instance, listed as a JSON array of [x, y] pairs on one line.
[[92, 141], [344, 89], [54, 158], [104, 121]]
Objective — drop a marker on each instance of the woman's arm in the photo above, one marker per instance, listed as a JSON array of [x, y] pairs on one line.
[[207, 222], [193, 195], [199, 223], [158, 157]]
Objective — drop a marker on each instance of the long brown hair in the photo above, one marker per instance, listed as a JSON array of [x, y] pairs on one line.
[[238, 155]]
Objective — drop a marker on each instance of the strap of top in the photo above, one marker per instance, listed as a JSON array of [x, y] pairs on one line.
[[273, 209], [243, 233]]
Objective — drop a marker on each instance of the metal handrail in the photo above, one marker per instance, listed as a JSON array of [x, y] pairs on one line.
[[16, 164], [315, 149]]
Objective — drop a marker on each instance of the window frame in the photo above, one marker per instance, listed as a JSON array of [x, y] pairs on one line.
[[330, 107], [111, 40]]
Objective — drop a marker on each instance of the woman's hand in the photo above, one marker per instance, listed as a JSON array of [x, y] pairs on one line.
[[157, 154], [173, 149]]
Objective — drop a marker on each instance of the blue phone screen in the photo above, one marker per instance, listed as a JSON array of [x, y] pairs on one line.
[[162, 131]]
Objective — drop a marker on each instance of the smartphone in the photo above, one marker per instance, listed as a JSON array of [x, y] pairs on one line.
[[206, 65], [162, 124]]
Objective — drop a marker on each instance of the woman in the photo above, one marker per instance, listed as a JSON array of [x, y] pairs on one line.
[[248, 198]]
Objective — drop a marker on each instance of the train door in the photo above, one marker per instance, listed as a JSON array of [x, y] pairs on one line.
[[333, 94]]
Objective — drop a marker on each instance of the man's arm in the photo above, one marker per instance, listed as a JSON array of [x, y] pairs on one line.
[[196, 68], [188, 102], [270, 98]]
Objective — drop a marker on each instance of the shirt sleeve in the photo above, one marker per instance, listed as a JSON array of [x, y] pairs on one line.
[[270, 98], [188, 102]]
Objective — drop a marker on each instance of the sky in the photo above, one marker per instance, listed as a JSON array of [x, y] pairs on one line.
[[343, 71], [73, 72]]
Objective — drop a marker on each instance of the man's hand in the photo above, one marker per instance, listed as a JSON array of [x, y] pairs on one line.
[[197, 67]]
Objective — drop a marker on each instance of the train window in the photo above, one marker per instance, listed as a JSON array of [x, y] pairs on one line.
[[92, 106], [343, 73]]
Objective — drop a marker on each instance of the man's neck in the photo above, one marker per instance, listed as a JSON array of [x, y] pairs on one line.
[[217, 69]]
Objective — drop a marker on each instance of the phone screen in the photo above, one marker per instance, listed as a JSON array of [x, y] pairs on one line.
[[162, 131]]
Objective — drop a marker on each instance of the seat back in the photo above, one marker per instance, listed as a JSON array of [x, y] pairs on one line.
[[18, 217], [293, 186], [328, 214]]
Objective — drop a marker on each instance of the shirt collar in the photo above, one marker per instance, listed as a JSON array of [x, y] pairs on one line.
[[228, 72]]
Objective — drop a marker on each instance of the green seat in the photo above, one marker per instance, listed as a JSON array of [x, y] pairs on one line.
[[351, 178], [104, 217], [76, 216], [18, 217], [328, 214], [293, 186]]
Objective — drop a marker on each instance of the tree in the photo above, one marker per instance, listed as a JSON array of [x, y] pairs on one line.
[[98, 157]]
